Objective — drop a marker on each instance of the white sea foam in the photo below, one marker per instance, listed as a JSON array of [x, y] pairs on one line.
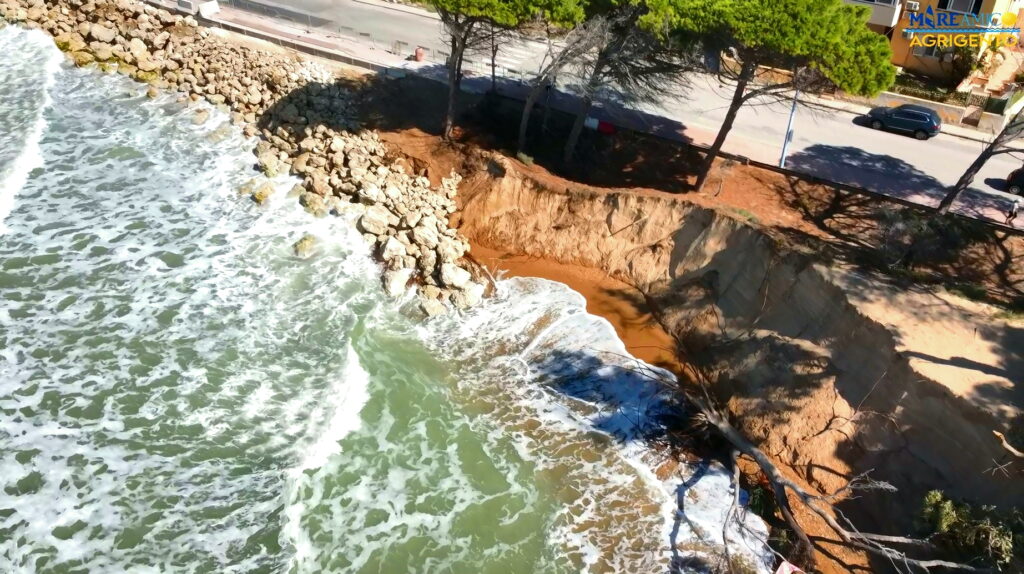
[[569, 371], [24, 96], [339, 415], [186, 395]]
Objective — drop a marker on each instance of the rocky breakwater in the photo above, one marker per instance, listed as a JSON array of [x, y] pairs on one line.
[[307, 126]]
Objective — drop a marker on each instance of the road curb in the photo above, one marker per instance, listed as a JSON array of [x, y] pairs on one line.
[[401, 8], [981, 138]]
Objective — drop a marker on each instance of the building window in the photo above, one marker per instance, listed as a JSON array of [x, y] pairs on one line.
[[963, 6], [928, 51]]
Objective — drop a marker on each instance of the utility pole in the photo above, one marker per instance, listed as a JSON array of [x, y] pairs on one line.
[[789, 129]]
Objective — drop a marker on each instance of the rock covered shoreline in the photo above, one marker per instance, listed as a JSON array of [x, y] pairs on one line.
[[306, 124]]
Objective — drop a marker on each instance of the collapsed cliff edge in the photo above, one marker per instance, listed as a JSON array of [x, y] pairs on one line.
[[830, 371]]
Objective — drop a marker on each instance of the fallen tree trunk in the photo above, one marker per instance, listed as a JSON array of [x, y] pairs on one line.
[[782, 487]]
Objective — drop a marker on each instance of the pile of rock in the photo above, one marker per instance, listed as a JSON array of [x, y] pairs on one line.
[[306, 122], [400, 214]]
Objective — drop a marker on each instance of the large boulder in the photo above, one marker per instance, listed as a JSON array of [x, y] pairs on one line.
[[396, 281], [270, 164], [450, 249], [313, 203], [427, 263], [137, 48], [101, 50], [432, 307], [289, 114], [75, 43], [82, 58], [160, 40], [454, 276], [392, 249], [263, 193], [319, 183], [468, 296], [369, 193], [425, 234], [147, 64], [304, 247], [375, 220], [102, 33]]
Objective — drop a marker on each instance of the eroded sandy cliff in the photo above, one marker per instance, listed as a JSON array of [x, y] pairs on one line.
[[832, 372]]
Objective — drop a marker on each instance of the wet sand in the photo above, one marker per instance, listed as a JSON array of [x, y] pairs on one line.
[[622, 305]]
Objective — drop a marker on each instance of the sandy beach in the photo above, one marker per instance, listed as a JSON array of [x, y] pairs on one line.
[[622, 305]]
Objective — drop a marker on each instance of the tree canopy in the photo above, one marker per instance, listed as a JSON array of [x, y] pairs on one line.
[[512, 13], [466, 23], [814, 39], [827, 35]]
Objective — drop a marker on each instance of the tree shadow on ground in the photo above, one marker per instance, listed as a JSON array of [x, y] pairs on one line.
[[623, 158], [996, 395], [628, 401], [879, 173], [379, 102], [626, 158], [780, 375], [984, 205], [896, 178], [908, 244]]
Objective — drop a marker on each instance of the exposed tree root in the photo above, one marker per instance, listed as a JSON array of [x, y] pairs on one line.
[[820, 505]]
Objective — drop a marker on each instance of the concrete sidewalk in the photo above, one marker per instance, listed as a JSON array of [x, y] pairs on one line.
[[860, 110], [877, 173], [316, 41], [400, 7]]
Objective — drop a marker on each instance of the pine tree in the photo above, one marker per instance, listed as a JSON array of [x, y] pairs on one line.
[[819, 41]]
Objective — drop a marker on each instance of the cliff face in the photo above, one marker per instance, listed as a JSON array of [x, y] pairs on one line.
[[822, 366]]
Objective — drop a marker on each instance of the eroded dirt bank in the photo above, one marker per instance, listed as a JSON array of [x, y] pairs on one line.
[[833, 373]]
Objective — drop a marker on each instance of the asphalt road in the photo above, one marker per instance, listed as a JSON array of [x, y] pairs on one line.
[[828, 143], [836, 144]]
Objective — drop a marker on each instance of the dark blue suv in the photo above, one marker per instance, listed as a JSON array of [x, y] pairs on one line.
[[918, 120]]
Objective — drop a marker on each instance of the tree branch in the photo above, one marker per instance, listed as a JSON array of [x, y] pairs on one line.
[[1008, 150], [1006, 445], [819, 505]]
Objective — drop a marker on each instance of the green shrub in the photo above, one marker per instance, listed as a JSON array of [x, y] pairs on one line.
[[973, 533], [971, 291], [762, 501], [746, 215]]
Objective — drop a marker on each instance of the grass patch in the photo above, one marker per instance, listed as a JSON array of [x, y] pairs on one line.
[[745, 215], [528, 160], [971, 291]]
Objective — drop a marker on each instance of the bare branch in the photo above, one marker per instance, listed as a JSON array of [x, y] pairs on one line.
[[1007, 446], [1008, 150], [734, 455]]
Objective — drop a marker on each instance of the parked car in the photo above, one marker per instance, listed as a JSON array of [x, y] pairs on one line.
[[918, 120], [1015, 181]]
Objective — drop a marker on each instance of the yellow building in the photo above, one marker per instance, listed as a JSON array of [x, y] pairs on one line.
[[885, 14], [929, 53], [915, 48]]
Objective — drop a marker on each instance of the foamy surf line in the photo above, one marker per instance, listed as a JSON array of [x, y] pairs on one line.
[[254, 356], [573, 373], [24, 97]]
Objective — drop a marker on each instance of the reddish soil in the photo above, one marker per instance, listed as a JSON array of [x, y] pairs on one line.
[[875, 235]]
